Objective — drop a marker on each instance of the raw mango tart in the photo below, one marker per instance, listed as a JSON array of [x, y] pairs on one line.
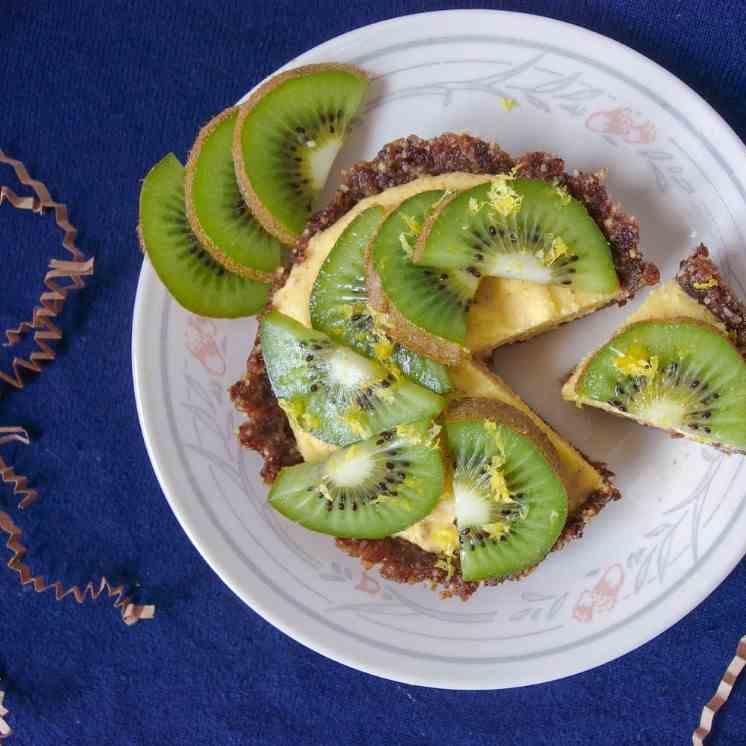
[[366, 391], [356, 277]]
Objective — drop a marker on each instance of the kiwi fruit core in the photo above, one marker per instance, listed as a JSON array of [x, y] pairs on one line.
[[521, 229], [510, 503], [286, 138], [190, 273], [367, 490], [680, 375]]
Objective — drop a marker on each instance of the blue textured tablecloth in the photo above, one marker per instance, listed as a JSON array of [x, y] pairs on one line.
[[91, 94]]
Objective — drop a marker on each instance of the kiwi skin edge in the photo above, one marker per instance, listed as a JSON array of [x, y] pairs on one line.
[[474, 408], [205, 240], [570, 388], [260, 212], [404, 331]]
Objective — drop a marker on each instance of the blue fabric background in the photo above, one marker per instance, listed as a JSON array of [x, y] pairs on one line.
[[91, 94]]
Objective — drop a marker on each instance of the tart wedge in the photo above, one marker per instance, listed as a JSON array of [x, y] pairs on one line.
[[678, 362]]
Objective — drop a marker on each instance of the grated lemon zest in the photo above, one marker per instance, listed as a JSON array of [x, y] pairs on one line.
[[503, 199], [496, 530], [324, 490], [556, 250], [353, 421], [636, 362], [406, 246], [508, 104], [711, 283], [413, 226], [563, 194]]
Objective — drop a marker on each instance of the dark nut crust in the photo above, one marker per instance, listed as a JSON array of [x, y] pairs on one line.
[[700, 278]]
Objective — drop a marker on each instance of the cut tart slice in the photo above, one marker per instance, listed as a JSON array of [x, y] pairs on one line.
[[677, 363]]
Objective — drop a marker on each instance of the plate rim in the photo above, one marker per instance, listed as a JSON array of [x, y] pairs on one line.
[[219, 565]]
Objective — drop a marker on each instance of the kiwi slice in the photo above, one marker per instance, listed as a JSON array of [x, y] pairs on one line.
[[339, 306], [367, 490], [192, 276], [523, 229], [287, 136], [333, 392], [428, 307], [511, 505], [680, 375], [217, 213]]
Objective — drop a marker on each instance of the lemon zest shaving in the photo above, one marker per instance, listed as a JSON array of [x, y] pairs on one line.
[[446, 541], [294, 409], [353, 421], [405, 245], [383, 348], [324, 490], [443, 197], [508, 104], [496, 530], [711, 283], [556, 250], [563, 194], [498, 485], [413, 226], [309, 421], [503, 199], [416, 437], [636, 362]]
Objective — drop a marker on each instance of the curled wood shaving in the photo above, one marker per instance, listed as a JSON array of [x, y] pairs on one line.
[[131, 613], [712, 708], [62, 277], [5, 729], [18, 483]]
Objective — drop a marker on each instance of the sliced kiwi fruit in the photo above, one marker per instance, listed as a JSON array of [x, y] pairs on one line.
[[522, 229], [339, 306], [428, 308], [333, 392], [217, 213], [192, 276], [286, 138], [367, 490], [511, 505], [680, 375]]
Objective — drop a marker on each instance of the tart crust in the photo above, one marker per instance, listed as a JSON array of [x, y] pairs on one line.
[[699, 278]]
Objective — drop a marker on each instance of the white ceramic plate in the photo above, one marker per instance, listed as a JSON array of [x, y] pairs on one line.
[[649, 559]]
